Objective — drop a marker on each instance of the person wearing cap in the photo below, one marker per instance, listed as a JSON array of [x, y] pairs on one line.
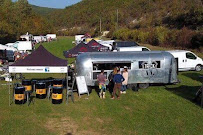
[[125, 82]]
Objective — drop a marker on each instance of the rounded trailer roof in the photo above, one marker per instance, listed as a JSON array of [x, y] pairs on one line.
[[123, 56]]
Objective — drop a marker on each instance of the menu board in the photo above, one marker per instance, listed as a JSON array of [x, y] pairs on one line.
[[81, 84]]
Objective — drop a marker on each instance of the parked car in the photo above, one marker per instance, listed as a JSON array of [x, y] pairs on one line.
[[187, 60], [134, 48], [118, 44]]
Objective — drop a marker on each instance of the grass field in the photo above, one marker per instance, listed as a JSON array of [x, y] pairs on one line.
[[158, 110]]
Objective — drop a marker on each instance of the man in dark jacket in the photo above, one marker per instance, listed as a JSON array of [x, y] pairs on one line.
[[118, 79]]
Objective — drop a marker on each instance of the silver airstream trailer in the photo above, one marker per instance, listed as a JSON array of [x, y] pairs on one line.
[[144, 67]]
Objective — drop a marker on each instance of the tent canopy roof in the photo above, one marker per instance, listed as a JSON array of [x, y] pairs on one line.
[[41, 57], [80, 48], [94, 43]]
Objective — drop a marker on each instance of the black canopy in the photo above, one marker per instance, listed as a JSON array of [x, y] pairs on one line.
[[80, 48], [97, 46], [41, 57]]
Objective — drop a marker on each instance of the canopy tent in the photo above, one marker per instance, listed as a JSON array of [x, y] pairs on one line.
[[80, 48], [97, 46], [40, 61], [87, 35]]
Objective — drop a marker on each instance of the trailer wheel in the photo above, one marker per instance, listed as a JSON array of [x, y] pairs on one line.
[[198, 68], [133, 87], [89, 89], [143, 85]]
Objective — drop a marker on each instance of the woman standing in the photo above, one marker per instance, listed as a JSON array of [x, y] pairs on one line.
[[110, 78], [124, 83]]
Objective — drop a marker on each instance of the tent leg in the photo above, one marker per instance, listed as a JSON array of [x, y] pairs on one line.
[[9, 90], [67, 87]]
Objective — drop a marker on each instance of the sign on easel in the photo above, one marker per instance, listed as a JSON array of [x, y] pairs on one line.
[[82, 86]]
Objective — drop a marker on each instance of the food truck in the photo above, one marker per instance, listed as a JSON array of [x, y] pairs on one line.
[[144, 67]]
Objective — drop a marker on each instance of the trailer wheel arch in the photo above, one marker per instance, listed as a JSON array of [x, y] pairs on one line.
[[134, 87], [198, 67], [143, 85], [89, 88]]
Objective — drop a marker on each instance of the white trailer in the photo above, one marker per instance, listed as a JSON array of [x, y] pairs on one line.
[[23, 45], [27, 37], [52, 36], [38, 39], [187, 60], [134, 48]]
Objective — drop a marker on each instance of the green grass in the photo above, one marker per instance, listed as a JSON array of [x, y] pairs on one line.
[[57, 47], [156, 110]]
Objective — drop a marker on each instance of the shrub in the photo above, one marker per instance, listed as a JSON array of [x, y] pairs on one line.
[[197, 40], [184, 38], [143, 36]]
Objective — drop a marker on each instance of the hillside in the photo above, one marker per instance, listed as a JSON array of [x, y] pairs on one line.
[[158, 22], [133, 13], [17, 18], [44, 11]]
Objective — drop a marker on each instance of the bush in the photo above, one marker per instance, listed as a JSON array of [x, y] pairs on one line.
[[197, 40], [184, 38], [143, 36]]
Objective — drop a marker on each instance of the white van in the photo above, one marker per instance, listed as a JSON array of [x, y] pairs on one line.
[[134, 48], [187, 60]]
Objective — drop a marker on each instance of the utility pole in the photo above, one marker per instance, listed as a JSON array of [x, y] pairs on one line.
[[100, 25], [117, 19]]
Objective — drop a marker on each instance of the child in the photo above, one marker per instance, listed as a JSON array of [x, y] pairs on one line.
[[101, 78], [124, 83]]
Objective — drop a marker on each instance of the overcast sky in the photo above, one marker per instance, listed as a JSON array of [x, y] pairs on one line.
[[53, 3]]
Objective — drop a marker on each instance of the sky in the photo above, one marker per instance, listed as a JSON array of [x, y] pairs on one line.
[[53, 3]]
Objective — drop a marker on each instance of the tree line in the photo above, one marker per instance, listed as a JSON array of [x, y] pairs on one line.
[[17, 18]]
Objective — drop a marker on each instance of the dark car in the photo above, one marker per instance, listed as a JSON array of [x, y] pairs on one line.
[[10, 56]]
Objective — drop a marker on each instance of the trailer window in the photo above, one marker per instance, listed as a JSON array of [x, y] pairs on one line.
[[146, 65], [191, 56], [110, 66]]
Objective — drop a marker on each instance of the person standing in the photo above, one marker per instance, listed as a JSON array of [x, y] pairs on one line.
[[111, 82], [101, 78], [124, 83], [118, 79]]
